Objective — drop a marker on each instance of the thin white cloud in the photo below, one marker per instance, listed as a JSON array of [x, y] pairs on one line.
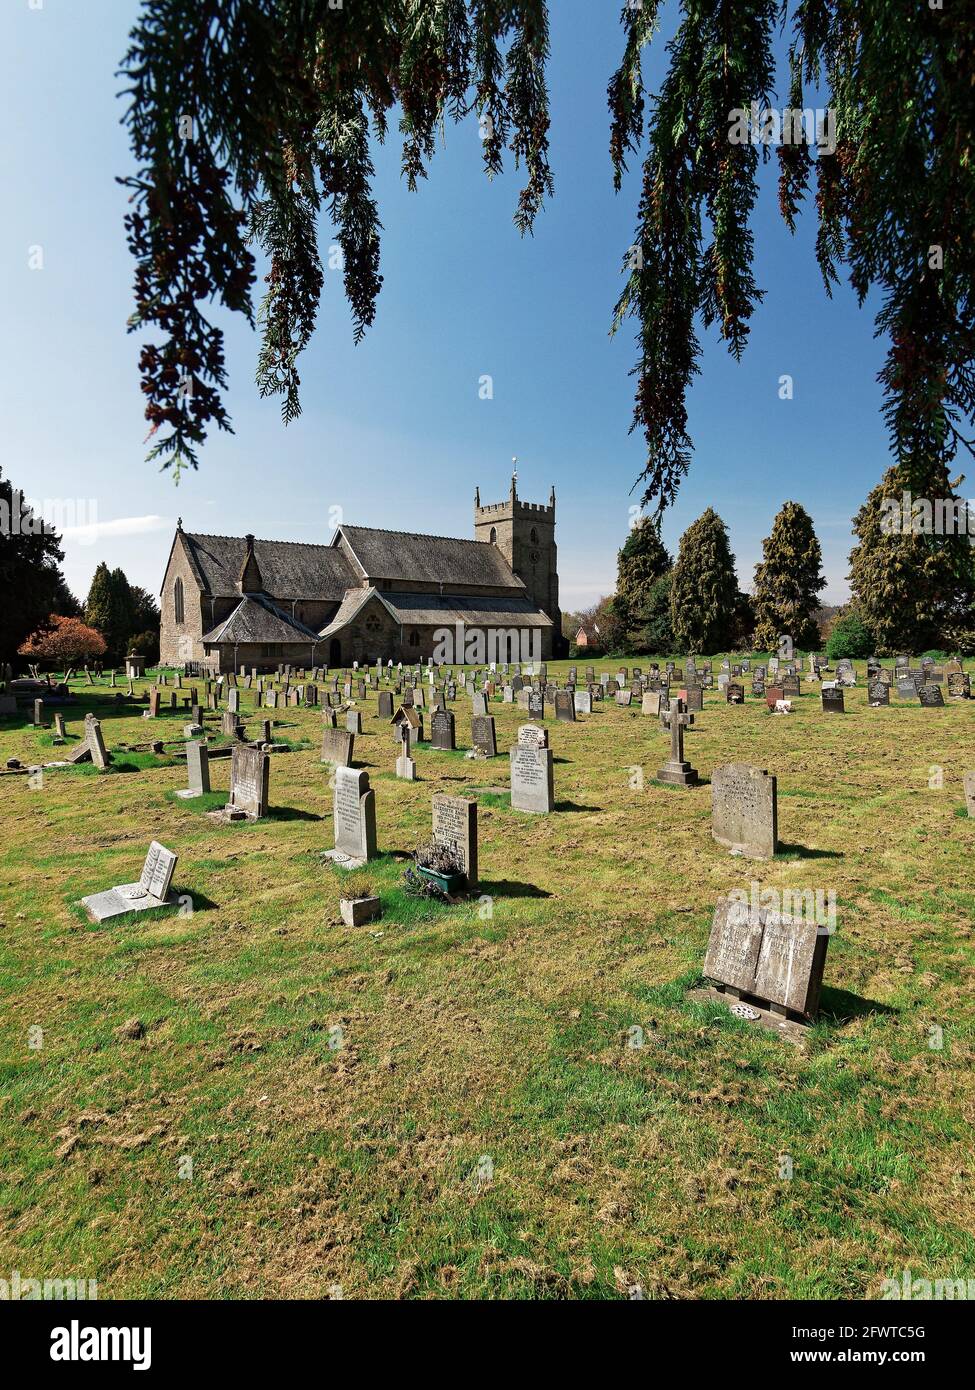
[[121, 526]]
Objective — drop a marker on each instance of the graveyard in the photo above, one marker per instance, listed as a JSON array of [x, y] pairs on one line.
[[531, 1088]]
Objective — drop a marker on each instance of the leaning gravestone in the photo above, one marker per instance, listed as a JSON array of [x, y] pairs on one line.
[[337, 746], [931, 696], [197, 771], [532, 779], [353, 819], [744, 810], [767, 957], [250, 770], [455, 828], [152, 890], [353, 721], [96, 742]]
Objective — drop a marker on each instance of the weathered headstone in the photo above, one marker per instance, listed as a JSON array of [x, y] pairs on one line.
[[878, 693], [442, 733], [969, 784], [337, 747], [651, 703], [455, 828], [744, 811], [931, 696], [152, 889], [483, 736], [532, 779], [832, 698], [353, 818], [582, 700], [565, 708], [249, 775], [533, 735], [768, 957], [197, 771]]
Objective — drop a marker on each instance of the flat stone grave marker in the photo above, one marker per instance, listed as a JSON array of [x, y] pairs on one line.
[[483, 735], [532, 778], [832, 698], [765, 956], [744, 810], [455, 828], [353, 819], [337, 747], [152, 889]]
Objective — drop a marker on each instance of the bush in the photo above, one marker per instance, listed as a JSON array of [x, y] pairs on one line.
[[850, 639]]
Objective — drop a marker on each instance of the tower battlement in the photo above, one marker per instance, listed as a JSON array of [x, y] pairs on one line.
[[524, 532]]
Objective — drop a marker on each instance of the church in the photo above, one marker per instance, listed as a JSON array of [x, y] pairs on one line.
[[231, 603]]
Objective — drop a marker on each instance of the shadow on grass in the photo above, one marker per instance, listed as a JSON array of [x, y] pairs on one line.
[[575, 806], [839, 1006], [510, 888], [291, 813], [786, 851]]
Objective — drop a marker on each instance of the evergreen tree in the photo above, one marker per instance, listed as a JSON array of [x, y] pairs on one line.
[[110, 609], [30, 577], [655, 636], [642, 561], [704, 591], [913, 589], [788, 581]]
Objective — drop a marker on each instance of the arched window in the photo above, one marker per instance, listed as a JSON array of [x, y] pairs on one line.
[[414, 638], [178, 600], [534, 536], [494, 535]]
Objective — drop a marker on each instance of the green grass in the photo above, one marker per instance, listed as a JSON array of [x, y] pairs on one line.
[[339, 1090]]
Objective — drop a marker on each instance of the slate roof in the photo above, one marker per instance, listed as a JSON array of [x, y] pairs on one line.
[[444, 610], [257, 619], [289, 569], [432, 560]]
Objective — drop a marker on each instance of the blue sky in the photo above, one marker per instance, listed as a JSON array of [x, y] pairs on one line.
[[394, 432]]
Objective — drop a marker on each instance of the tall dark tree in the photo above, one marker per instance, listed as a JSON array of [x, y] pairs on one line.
[[30, 578], [912, 594], [788, 581], [704, 598], [110, 609], [641, 562], [247, 118]]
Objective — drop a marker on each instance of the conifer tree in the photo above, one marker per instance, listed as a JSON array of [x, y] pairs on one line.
[[110, 609], [642, 561], [704, 588], [31, 583], [787, 582], [913, 588]]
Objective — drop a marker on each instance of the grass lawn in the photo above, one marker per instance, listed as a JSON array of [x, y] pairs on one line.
[[445, 1103]]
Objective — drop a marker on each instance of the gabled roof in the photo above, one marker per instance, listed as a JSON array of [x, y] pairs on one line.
[[257, 619], [473, 610], [289, 569], [432, 560], [354, 600]]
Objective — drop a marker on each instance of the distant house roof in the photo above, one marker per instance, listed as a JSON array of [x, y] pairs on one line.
[[289, 569], [432, 560], [257, 619]]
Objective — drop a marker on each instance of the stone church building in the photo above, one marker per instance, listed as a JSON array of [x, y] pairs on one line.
[[234, 602]]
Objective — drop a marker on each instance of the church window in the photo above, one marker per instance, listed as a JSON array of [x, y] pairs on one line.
[[414, 638], [372, 623], [178, 600], [534, 536], [494, 535]]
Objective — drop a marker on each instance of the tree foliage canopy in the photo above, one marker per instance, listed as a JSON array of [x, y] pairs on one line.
[[642, 561], [31, 583], [248, 117], [704, 599], [788, 580], [64, 642]]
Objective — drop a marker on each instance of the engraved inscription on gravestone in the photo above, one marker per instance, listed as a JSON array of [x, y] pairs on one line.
[[455, 827], [768, 956], [744, 810]]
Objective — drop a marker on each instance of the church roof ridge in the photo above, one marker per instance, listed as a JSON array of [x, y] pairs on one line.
[[414, 535], [258, 540]]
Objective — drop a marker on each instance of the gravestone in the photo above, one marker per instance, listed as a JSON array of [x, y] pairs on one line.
[[773, 694], [744, 810], [533, 736], [565, 708], [535, 705], [353, 819], [483, 736], [790, 686], [878, 694], [442, 730], [455, 828], [96, 743], [969, 784], [651, 703], [765, 956], [532, 779], [152, 889], [959, 686], [832, 698], [693, 698], [931, 696], [734, 693], [353, 721], [197, 771], [478, 705], [582, 700], [229, 722], [337, 747], [250, 770], [677, 771], [906, 689], [624, 697], [405, 765]]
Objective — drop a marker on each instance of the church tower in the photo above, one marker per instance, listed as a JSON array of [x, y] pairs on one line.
[[524, 532]]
